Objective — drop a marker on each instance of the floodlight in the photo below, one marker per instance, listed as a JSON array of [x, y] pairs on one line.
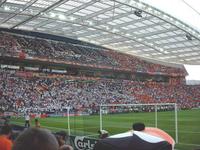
[[138, 13], [61, 16], [52, 15], [189, 37], [6, 8]]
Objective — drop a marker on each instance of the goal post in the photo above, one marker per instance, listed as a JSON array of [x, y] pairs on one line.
[[68, 121], [80, 123], [106, 109]]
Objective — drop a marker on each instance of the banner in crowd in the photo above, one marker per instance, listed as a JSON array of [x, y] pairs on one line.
[[24, 74], [82, 142], [8, 113]]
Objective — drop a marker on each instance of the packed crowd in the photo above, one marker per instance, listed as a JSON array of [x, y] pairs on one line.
[[36, 47], [53, 94], [139, 65], [13, 44]]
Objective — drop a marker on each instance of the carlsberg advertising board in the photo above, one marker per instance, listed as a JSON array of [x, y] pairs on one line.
[[82, 143]]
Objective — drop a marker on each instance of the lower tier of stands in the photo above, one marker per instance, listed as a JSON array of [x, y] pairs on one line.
[[51, 94]]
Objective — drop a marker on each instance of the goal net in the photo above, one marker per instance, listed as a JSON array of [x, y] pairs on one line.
[[82, 123], [118, 118]]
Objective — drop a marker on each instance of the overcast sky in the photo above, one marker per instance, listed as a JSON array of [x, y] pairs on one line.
[[194, 72]]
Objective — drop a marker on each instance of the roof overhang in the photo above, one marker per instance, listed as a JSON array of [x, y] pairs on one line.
[[127, 26]]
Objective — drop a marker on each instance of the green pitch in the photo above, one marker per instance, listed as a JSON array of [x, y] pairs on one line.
[[188, 125]]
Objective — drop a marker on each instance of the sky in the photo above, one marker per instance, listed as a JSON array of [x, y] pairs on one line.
[[193, 71]]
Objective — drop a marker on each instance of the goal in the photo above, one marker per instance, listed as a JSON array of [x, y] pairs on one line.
[[119, 117]]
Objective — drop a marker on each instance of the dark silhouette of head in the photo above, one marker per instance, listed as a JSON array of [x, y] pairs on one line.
[[6, 130], [36, 139], [138, 126]]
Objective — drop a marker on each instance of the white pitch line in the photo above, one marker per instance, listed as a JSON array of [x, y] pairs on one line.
[[49, 127], [189, 144]]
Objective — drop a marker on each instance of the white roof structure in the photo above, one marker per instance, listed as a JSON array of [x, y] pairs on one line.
[[130, 26]]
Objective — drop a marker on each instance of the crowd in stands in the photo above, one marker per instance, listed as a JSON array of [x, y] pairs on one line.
[[139, 65], [33, 47], [41, 48], [52, 94]]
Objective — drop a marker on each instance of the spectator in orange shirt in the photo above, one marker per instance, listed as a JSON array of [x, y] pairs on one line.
[[5, 142]]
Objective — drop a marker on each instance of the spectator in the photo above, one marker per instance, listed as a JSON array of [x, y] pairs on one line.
[[61, 137], [36, 139], [5, 134], [27, 121], [66, 147], [137, 140], [37, 123], [138, 126]]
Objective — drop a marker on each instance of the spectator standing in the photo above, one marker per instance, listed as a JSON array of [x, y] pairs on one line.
[[5, 142], [27, 121]]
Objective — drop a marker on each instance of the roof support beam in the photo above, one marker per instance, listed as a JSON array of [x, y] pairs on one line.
[[185, 52], [19, 11], [157, 32], [165, 38], [38, 14], [122, 25], [98, 13], [113, 41], [2, 2], [104, 21], [88, 16], [76, 9], [68, 13], [185, 57], [109, 41], [184, 47], [43, 23], [173, 43]]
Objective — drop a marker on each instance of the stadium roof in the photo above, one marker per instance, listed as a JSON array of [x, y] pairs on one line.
[[129, 26]]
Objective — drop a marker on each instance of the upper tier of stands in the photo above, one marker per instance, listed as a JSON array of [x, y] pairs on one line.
[[34, 47], [51, 93]]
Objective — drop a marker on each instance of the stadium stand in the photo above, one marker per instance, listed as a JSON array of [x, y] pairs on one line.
[[13, 44], [52, 94], [42, 48], [32, 91], [39, 89]]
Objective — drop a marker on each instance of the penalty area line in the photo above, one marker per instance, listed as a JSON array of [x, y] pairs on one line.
[[189, 144]]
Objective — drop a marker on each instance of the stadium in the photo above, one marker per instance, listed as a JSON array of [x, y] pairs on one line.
[[85, 66]]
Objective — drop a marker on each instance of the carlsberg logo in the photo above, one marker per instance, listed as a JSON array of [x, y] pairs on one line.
[[81, 143]]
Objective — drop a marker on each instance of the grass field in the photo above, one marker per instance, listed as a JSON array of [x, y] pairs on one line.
[[188, 125]]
